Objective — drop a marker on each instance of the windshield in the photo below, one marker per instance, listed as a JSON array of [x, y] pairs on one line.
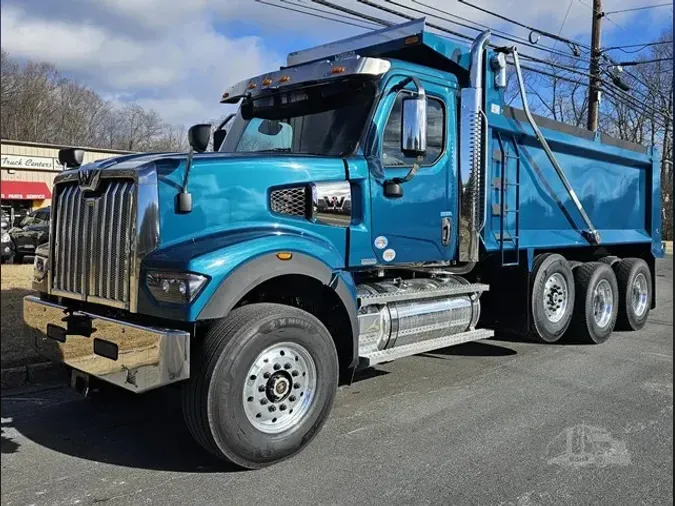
[[325, 119]]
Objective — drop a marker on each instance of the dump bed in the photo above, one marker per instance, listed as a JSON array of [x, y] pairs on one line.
[[617, 183]]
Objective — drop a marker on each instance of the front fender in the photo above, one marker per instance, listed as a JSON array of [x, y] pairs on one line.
[[238, 266]]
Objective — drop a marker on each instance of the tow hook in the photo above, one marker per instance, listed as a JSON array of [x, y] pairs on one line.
[[79, 382]]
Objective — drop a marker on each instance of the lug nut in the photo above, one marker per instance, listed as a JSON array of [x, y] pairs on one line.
[[294, 373], [282, 407], [296, 385], [287, 365], [266, 375], [261, 388], [263, 401], [277, 367], [292, 398], [272, 409]]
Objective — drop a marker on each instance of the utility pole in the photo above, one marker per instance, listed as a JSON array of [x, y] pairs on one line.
[[594, 88]]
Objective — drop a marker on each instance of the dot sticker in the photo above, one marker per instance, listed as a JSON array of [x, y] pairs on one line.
[[381, 242], [388, 255]]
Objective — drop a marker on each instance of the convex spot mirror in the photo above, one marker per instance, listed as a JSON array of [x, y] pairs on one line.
[[414, 126], [71, 157], [199, 136]]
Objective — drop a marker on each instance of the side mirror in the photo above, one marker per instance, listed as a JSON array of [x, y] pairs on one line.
[[218, 138], [199, 136], [414, 126], [71, 157]]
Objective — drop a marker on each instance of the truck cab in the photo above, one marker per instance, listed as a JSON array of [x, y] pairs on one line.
[[371, 200]]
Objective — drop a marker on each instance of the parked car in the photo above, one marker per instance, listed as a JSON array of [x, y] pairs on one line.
[[31, 231], [7, 247], [5, 221]]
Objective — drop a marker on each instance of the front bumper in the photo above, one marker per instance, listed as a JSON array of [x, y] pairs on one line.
[[131, 356]]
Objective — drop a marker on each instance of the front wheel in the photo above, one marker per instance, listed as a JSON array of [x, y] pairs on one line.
[[262, 384]]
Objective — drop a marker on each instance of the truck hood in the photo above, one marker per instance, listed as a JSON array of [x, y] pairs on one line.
[[230, 191]]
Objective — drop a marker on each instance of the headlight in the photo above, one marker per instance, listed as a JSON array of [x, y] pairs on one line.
[[175, 287], [39, 268], [6, 237]]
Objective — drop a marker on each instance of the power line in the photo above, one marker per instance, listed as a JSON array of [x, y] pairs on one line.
[[642, 62], [528, 27], [300, 3], [286, 7], [562, 25], [407, 16], [642, 46], [602, 14], [497, 33], [346, 10], [639, 8]]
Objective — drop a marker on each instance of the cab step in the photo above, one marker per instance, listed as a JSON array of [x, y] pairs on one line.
[[408, 295], [377, 357]]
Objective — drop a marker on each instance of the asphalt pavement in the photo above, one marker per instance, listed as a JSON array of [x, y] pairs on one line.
[[497, 422]]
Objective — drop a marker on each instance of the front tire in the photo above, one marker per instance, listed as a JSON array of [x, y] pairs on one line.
[[262, 384], [596, 306]]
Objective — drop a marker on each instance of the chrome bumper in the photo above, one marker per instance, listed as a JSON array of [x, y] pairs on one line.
[[128, 355]]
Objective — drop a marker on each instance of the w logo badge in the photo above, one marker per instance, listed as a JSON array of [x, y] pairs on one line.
[[88, 179], [335, 203]]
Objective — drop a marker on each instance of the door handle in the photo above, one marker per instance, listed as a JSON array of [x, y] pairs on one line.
[[446, 229]]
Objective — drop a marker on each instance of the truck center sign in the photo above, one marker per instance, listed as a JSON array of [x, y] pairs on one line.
[[30, 162]]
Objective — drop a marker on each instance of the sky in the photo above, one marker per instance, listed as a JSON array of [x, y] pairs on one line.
[[178, 56]]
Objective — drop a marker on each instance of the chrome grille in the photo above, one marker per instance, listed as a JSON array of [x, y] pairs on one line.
[[289, 201], [93, 243]]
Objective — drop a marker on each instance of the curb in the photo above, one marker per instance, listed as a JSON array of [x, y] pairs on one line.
[[43, 372]]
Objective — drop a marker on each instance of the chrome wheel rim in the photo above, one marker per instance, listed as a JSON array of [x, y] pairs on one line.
[[556, 296], [603, 303], [280, 387], [639, 294]]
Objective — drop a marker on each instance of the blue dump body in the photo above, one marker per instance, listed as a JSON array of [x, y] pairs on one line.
[[617, 183]]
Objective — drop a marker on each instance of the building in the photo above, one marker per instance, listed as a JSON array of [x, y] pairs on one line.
[[28, 171]]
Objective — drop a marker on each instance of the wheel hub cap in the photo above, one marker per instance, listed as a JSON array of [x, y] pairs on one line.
[[555, 297], [639, 295], [603, 303], [280, 387]]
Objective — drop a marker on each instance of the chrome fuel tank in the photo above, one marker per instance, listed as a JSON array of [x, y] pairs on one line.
[[407, 321]]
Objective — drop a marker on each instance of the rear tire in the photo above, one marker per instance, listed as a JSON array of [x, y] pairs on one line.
[[635, 293], [18, 259], [262, 384], [552, 299], [596, 305]]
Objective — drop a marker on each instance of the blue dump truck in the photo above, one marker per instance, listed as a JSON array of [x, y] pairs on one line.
[[373, 199]]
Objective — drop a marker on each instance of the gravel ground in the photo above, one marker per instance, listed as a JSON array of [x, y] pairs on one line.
[[15, 281], [496, 422]]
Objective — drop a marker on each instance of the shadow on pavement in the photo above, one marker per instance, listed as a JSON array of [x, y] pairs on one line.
[[139, 431], [473, 349]]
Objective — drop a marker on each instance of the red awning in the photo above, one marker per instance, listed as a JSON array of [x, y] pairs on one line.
[[24, 190]]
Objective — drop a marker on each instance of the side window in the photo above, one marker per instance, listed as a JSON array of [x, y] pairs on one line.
[[391, 143]]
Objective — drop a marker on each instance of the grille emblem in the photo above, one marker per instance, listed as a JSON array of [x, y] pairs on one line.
[[88, 179], [334, 203]]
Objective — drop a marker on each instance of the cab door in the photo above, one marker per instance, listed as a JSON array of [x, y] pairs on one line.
[[418, 226]]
